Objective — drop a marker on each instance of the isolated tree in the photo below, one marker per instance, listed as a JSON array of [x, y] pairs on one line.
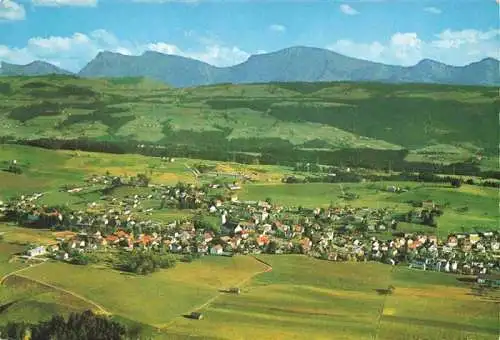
[[456, 183], [271, 247]]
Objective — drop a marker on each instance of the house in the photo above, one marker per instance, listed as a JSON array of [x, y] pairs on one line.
[[38, 251], [238, 229], [234, 290], [452, 241], [111, 239], [474, 238], [491, 280], [262, 240], [202, 249], [418, 265], [306, 244], [216, 250], [196, 316], [207, 237]]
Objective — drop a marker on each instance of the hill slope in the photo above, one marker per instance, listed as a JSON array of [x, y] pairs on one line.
[[35, 68], [301, 121]]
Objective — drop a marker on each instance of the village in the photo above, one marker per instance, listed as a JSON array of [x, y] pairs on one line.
[[223, 225]]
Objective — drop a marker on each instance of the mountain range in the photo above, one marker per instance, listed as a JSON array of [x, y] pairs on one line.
[[307, 64]]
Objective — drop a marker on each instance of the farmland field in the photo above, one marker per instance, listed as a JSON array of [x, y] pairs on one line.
[[72, 167], [167, 294], [259, 122], [302, 297]]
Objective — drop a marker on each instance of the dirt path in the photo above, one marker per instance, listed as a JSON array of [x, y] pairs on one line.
[[215, 297], [15, 272], [100, 309]]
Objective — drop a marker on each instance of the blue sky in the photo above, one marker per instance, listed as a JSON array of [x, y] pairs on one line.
[[69, 33]]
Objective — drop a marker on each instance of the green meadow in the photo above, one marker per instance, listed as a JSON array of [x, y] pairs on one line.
[[152, 300], [299, 298], [302, 297]]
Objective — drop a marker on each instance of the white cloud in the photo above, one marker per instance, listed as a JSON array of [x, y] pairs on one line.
[[277, 28], [73, 52], [164, 48], [450, 47], [60, 3], [11, 11], [433, 10], [220, 55], [346, 9]]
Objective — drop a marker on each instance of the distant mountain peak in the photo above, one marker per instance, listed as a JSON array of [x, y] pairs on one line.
[[431, 62], [291, 64], [34, 68], [107, 54]]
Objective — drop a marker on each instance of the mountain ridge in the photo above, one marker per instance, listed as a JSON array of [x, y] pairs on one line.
[[284, 65], [34, 68]]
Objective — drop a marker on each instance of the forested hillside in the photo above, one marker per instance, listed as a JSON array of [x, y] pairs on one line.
[[367, 124]]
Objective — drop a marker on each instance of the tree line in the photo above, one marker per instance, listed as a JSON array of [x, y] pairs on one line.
[[272, 151], [78, 326]]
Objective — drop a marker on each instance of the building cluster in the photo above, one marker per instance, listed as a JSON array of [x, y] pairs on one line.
[[250, 227]]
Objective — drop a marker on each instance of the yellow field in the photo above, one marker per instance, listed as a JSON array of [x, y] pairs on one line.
[[305, 298], [156, 299]]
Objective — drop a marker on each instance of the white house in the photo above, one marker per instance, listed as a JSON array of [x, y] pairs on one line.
[[216, 250], [40, 250]]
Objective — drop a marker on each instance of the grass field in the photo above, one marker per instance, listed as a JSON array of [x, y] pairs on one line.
[[299, 298], [306, 298], [153, 300], [70, 167], [25, 300]]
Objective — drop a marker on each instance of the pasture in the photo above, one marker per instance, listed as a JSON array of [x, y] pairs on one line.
[[152, 300], [306, 298]]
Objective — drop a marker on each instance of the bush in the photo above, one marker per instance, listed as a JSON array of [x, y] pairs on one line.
[[144, 262], [15, 169], [456, 183], [84, 326], [80, 259]]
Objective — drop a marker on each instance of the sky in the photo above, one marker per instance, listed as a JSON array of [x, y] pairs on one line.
[[69, 33]]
